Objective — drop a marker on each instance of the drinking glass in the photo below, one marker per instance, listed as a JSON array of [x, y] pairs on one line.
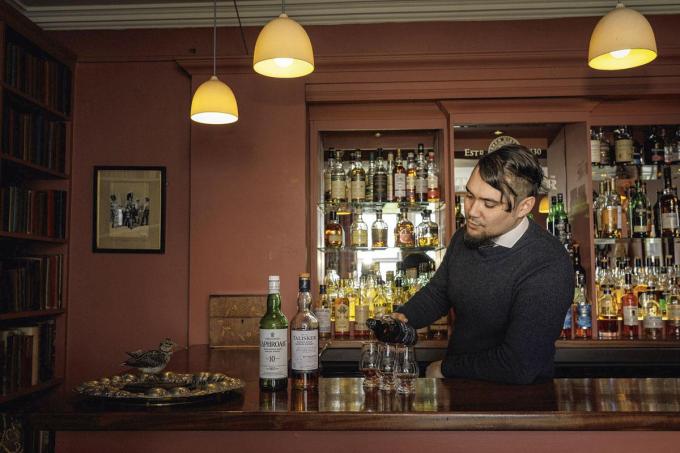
[[406, 370], [386, 364], [368, 363]]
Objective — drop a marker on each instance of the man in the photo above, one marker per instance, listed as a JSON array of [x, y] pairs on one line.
[[508, 281]]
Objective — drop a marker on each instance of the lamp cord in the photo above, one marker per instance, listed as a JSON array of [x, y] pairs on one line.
[[215, 37], [283, 6], [240, 26]]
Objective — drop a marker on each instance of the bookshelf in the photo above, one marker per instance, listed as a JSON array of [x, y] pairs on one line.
[[36, 95]]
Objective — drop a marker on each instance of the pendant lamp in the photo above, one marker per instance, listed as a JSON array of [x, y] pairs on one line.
[[213, 101], [544, 205], [622, 39], [283, 49]]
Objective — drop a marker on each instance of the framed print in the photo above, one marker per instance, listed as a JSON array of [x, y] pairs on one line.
[[129, 210]]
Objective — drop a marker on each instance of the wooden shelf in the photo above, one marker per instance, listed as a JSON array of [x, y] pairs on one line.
[[23, 96], [37, 170], [31, 314], [30, 237], [30, 390]]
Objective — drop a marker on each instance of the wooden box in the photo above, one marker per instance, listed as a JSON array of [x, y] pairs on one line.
[[234, 320]]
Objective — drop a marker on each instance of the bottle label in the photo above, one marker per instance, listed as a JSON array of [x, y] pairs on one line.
[[334, 239], [604, 153], [379, 237], [568, 319], [421, 184], [595, 151], [273, 353], [673, 311], [669, 221], [359, 238], [630, 315], [657, 154], [584, 319], [380, 187], [668, 154], [360, 318], [652, 322], [432, 182], [324, 317], [624, 150], [405, 237], [342, 318], [410, 183], [304, 350], [358, 188], [399, 185], [390, 186], [610, 219], [338, 189]]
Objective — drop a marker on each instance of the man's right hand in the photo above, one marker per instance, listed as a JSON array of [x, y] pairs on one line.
[[400, 317]]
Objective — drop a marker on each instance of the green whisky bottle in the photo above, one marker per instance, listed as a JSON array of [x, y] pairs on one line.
[[274, 341]]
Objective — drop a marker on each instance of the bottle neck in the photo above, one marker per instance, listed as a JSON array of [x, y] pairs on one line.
[[274, 302], [304, 300]]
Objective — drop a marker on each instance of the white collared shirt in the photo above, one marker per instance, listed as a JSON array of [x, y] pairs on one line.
[[510, 238]]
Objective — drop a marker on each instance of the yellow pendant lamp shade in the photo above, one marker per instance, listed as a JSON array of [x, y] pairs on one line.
[[544, 205], [622, 39], [214, 103], [283, 50]]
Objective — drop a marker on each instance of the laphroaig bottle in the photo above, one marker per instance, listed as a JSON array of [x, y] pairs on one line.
[[304, 340], [274, 341], [322, 311]]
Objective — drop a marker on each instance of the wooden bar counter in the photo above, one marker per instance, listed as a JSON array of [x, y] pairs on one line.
[[341, 404]]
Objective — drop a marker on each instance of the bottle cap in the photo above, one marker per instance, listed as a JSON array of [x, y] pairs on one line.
[[304, 275], [274, 284]]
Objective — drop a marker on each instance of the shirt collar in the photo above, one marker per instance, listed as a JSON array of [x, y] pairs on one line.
[[510, 238]]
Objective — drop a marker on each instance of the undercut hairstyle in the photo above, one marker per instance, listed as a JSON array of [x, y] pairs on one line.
[[514, 171]]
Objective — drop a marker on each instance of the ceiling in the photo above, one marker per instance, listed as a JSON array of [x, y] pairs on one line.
[[123, 14]]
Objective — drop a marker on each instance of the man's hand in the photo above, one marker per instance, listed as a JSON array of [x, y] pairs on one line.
[[399, 317]]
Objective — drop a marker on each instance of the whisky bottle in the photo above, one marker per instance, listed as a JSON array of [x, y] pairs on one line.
[[568, 324], [433, 191], [341, 313], [380, 179], [361, 315], [611, 212], [594, 147], [675, 145], [358, 231], [605, 154], [673, 312], [623, 146], [322, 311], [421, 175], [427, 232], [327, 178], [338, 183], [652, 322], [370, 176], [668, 206], [411, 177], [404, 232], [398, 296], [304, 339], [358, 179], [460, 218], [584, 318], [561, 219], [390, 176], [629, 307], [550, 219], [334, 235], [654, 147], [639, 211], [380, 307], [399, 179], [667, 147], [607, 317], [274, 341], [390, 330], [378, 231]]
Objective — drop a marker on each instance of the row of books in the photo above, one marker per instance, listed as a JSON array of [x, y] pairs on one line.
[[32, 137], [26, 356], [38, 76], [35, 212], [31, 283]]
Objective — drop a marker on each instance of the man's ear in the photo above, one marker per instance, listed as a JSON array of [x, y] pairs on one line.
[[525, 206]]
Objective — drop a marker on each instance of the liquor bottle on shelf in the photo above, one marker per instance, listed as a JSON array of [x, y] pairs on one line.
[[607, 316], [338, 180], [274, 341], [390, 330], [594, 147], [460, 218], [629, 307], [598, 206], [675, 145], [322, 311], [334, 235], [623, 145], [667, 146], [550, 219], [583, 312], [398, 296], [399, 179], [370, 176], [421, 175], [380, 179], [579, 271], [652, 322], [341, 312], [654, 147], [427, 231], [358, 179], [327, 178], [380, 304], [639, 211], [304, 340], [611, 212], [561, 220], [390, 176], [638, 154], [358, 230], [404, 232], [433, 191], [411, 177], [668, 207], [568, 324], [361, 315], [605, 150], [673, 312], [352, 295], [378, 231]]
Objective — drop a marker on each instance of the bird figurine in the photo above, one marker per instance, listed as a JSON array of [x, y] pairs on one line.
[[153, 361]]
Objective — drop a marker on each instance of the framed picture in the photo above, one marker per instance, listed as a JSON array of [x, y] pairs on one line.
[[129, 210]]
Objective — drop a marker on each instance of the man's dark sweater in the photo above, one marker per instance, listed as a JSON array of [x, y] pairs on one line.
[[509, 306]]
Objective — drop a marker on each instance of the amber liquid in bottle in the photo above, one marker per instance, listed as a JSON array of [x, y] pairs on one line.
[[629, 307]]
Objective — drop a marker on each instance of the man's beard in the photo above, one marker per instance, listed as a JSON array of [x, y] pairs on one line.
[[477, 242]]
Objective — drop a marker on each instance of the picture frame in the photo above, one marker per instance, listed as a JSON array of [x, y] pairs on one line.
[[128, 213]]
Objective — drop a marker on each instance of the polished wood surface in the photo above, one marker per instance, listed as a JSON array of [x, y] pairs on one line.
[[343, 404]]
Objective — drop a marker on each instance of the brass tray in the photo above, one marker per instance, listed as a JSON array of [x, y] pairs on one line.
[[163, 389]]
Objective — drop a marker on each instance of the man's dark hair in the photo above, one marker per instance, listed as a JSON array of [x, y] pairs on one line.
[[514, 171]]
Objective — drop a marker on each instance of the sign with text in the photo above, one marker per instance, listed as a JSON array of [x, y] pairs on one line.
[[469, 153]]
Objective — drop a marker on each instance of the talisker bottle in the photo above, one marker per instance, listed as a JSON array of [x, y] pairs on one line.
[[390, 330], [304, 338], [274, 341]]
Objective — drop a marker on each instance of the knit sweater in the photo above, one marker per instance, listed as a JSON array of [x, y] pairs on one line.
[[509, 306]]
